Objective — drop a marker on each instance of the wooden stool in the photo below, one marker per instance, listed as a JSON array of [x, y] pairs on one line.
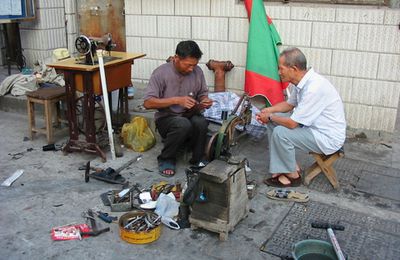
[[323, 163], [47, 97]]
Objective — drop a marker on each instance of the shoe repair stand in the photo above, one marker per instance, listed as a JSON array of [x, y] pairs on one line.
[[86, 79], [225, 200]]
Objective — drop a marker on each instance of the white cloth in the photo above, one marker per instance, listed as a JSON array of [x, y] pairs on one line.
[[319, 107]]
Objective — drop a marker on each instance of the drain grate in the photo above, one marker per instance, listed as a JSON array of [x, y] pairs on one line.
[[365, 237]]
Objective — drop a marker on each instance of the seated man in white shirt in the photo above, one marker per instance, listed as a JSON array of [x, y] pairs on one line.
[[317, 122]]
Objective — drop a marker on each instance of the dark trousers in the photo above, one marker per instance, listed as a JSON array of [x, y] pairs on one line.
[[175, 130]]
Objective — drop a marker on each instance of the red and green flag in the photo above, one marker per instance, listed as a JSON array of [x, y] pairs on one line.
[[261, 77]]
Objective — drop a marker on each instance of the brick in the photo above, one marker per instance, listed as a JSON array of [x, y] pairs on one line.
[[235, 52], [313, 13], [382, 119], [43, 39], [208, 74], [358, 116], [238, 30], [336, 36], [343, 86], [234, 80], [71, 23], [275, 11], [50, 3], [143, 68], [134, 44], [389, 67], [46, 19], [360, 15], [141, 25], [208, 28], [294, 33], [379, 38], [158, 48], [392, 17], [133, 7], [158, 7], [174, 26], [205, 49], [228, 8], [319, 59], [70, 7], [375, 93], [354, 64], [192, 7]]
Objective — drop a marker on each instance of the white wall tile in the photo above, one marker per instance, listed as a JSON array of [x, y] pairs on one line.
[[205, 49], [134, 44], [313, 13], [389, 67], [141, 25], [158, 7], [46, 19], [357, 116], [71, 43], [319, 59], [71, 23], [133, 6], [361, 15], [228, 8], [49, 3], [223, 51], [143, 68], [275, 11], [174, 26], [382, 119], [379, 38], [192, 7], [375, 93], [238, 29], [210, 28], [392, 16], [354, 64], [294, 33], [343, 86], [336, 36], [70, 7], [208, 75], [158, 48], [33, 56], [234, 80], [43, 39]]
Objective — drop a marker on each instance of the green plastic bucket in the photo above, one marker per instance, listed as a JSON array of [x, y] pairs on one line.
[[312, 249]]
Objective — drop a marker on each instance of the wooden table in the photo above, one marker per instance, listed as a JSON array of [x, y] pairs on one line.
[[86, 79]]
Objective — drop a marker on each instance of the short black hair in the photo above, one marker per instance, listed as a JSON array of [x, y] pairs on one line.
[[189, 48], [294, 57]]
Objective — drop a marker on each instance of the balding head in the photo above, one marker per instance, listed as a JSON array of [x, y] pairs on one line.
[[294, 57]]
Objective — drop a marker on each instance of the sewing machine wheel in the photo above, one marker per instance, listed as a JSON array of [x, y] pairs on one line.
[[99, 116], [83, 44]]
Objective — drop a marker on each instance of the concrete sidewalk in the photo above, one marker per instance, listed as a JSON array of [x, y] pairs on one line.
[[52, 192]]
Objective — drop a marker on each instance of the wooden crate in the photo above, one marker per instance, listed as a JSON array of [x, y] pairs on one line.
[[227, 201]]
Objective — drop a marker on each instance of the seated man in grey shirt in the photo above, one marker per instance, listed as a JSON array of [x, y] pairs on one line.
[[178, 90]]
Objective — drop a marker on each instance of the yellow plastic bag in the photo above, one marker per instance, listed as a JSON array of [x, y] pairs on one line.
[[137, 135]]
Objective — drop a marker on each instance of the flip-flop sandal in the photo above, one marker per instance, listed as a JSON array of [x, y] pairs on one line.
[[275, 182], [287, 195], [164, 166], [108, 175]]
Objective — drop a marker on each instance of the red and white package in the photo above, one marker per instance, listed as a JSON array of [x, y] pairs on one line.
[[69, 232]]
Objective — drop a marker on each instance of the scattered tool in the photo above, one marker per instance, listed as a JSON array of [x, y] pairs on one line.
[[94, 231], [329, 228], [110, 175], [105, 217]]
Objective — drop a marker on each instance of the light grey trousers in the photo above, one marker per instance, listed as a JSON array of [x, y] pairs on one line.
[[282, 144]]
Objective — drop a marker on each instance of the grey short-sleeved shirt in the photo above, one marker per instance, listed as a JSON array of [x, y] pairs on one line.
[[166, 82]]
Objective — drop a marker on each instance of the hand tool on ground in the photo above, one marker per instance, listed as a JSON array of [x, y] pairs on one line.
[[95, 232], [105, 217], [329, 228], [109, 172]]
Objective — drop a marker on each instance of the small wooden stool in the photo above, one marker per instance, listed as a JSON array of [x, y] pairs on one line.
[[323, 163], [47, 97]]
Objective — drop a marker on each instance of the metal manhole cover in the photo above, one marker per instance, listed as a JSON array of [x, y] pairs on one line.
[[365, 237], [379, 185]]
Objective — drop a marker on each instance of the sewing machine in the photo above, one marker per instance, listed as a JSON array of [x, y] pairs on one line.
[[88, 46]]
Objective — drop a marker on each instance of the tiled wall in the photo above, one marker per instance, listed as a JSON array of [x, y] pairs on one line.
[[356, 47]]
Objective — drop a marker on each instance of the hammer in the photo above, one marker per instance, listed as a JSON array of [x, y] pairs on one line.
[[95, 232], [329, 228]]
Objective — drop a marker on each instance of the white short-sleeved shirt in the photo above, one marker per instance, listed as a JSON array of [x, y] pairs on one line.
[[319, 107]]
